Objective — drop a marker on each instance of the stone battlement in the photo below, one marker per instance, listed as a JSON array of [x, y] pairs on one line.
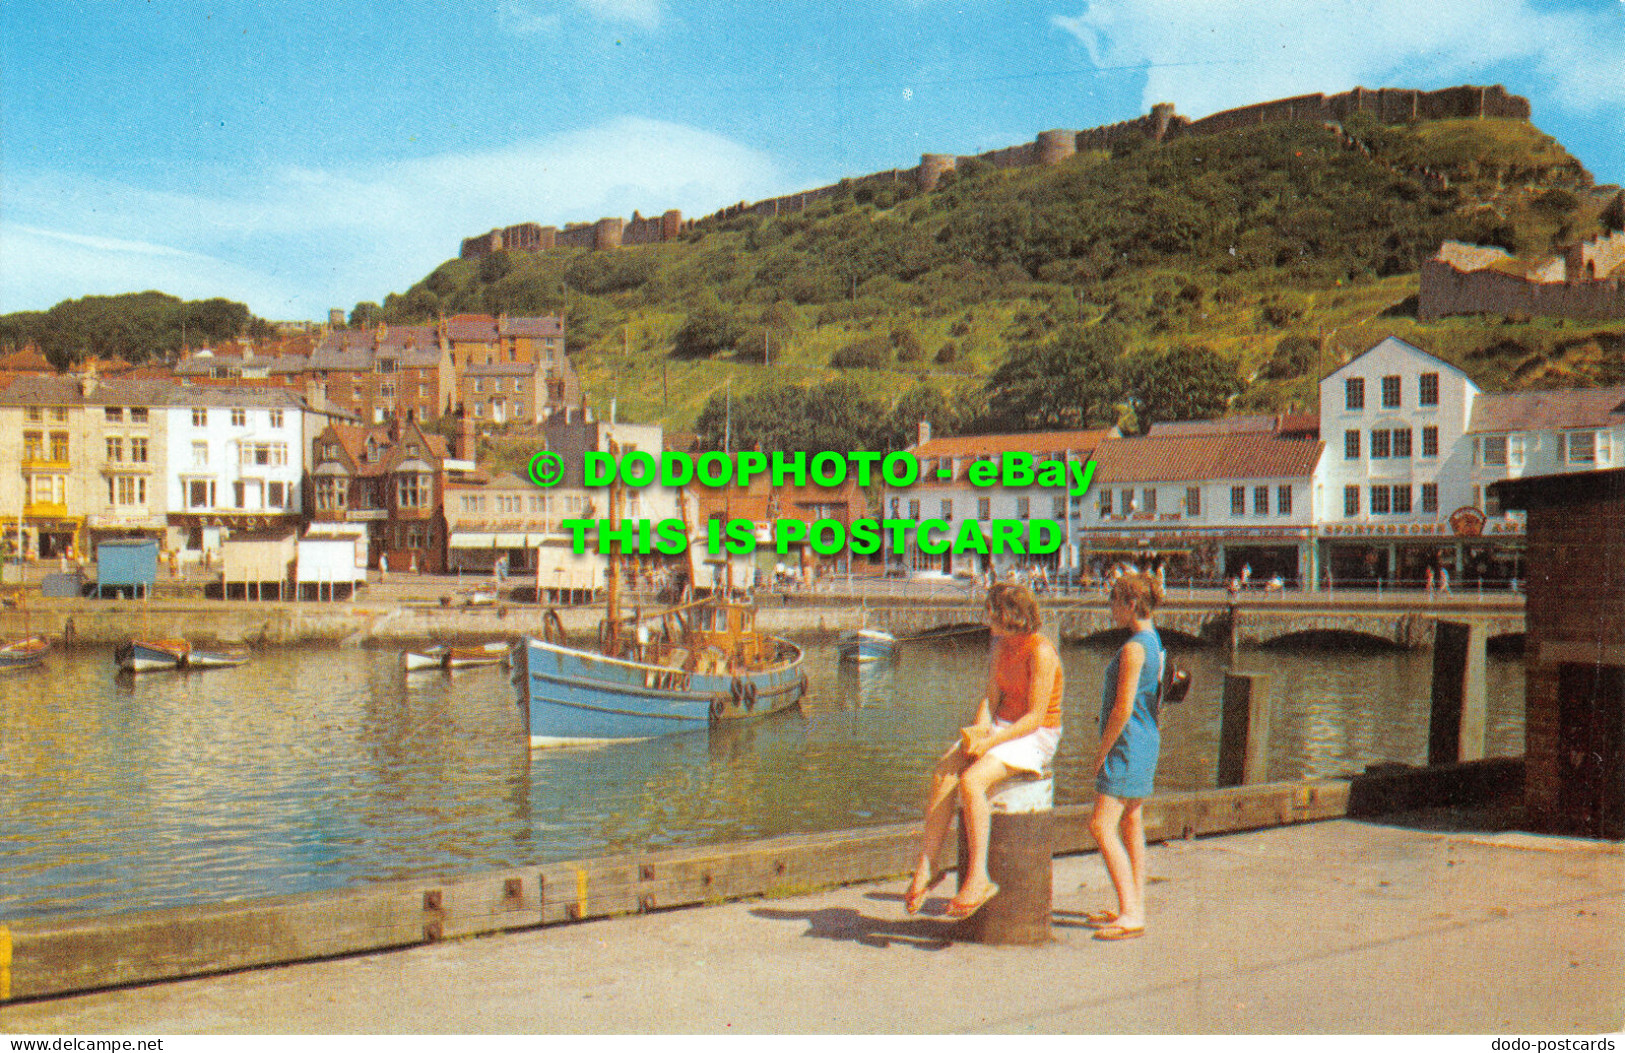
[[1052, 147]]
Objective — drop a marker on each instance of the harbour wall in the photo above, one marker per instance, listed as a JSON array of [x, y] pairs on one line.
[[54, 956], [85, 623]]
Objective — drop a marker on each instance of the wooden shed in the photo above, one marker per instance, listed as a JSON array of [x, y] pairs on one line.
[[1574, 652], [253, 565], [330, 566], [127, 565]]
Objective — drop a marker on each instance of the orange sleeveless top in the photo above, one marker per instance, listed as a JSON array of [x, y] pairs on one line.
[[1012, 675]]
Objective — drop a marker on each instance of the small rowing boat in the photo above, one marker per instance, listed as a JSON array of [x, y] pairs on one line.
[[866, 645], [447, 656], [23, 653], [196, 659], [146, 656]]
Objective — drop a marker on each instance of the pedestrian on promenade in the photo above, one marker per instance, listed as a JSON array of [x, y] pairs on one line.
[[1017, 728], [1126, 759]]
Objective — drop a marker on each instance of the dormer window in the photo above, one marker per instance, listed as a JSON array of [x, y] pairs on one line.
[[386, 365]]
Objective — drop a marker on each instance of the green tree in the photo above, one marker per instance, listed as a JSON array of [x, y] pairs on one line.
[[1070, 381], [1188, 382], [365, 315]]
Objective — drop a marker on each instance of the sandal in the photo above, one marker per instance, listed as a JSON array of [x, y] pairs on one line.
[[960, 910], [914, 898], [1100, 919], [1120, 932]]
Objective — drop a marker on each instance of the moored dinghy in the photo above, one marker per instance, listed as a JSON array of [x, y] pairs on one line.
[[425, 658], [145, 656], [23, 653], [447, 656], [866, 645], [198, 659], [494, 652]]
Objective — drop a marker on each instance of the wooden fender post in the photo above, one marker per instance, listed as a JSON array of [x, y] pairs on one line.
[[1019, 860]]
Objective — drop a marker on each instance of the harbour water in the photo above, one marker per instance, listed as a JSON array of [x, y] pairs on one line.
[[327, 768]]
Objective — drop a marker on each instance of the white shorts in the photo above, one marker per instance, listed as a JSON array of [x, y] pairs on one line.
[[1032, 752]]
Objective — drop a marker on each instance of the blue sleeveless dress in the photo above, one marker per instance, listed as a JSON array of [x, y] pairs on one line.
[[1131, 766]]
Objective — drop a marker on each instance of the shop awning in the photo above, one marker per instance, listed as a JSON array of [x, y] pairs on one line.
[[471, 541], [509, 541]]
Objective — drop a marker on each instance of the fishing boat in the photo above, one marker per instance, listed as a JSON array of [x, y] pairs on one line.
[[199, 659], [688, 667], [23, 653], [685, 668], [448, 656], [145, 656], [866, 645]]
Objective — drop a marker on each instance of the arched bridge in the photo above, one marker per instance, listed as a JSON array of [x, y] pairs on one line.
[[1256, 618]]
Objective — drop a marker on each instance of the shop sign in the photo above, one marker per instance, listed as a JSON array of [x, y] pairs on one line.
[[1382, 529], [1467, 521]]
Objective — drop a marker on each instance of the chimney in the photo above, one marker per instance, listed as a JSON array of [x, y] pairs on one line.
[[923, 433], [465, 438]]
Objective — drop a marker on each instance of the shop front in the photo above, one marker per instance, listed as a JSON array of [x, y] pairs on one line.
[[1468, 550], [1202, 556]]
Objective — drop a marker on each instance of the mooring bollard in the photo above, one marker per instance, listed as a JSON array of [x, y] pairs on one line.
[[1019, 860], [1456, 725], [1244, 730]]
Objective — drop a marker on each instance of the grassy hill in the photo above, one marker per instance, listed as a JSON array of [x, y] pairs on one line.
[[1282, 250]]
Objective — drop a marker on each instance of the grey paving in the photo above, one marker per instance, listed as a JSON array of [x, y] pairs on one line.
[[1341, 927]]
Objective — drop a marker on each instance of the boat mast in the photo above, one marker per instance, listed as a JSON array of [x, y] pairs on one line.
[[612, 595]]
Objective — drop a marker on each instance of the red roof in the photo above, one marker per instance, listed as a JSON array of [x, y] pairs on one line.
[[1205, 458], [1037, 442]]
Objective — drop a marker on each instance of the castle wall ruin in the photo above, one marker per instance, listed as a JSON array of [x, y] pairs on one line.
[[1389, 105], [1586, 280]]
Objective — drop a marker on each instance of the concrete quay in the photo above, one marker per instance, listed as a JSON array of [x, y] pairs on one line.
[[1428, 922]]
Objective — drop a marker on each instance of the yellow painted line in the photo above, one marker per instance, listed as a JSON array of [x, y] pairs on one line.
[[5, 964], [581, 893]]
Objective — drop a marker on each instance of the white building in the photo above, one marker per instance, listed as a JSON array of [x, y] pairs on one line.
[[236, 460], [945, 491], [1397, 468], [1210, 500]]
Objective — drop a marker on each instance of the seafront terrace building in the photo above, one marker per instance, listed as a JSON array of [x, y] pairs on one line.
[[1413, 446], [1207, 499], [391, 477], [509, 517], [1397, 468], [945, 491], [90, 459], [101, 459], [236, 464]]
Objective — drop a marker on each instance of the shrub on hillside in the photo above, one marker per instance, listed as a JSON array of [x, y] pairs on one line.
[[871, 352]]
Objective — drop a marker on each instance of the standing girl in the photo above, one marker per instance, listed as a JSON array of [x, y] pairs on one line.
[[1126, 760]]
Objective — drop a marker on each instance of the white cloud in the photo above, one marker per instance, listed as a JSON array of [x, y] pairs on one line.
[[645, 14], [1215, 54], [296, 241], [532, 17]]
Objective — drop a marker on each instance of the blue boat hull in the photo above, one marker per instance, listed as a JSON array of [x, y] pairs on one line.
[[574, 697]]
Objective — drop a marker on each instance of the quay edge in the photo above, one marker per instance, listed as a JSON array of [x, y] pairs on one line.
[[53, 956]]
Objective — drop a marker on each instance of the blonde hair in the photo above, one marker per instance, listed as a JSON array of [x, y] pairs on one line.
[[1139, 591], [1015, 607]]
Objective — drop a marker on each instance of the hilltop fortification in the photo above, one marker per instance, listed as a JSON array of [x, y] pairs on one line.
[[1162, 124]]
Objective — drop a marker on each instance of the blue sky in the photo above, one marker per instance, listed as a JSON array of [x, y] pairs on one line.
[[303, 155]]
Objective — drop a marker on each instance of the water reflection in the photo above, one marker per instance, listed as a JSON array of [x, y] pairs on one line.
[[321, 768]]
